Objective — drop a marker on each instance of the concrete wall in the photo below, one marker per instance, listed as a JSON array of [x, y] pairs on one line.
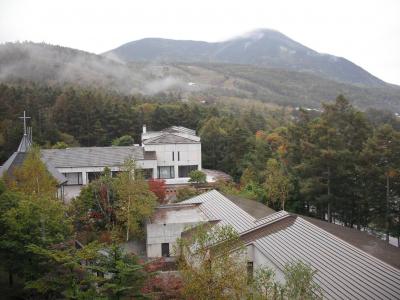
[[71, 191], [260, 261], [189, 154], [160, 233]]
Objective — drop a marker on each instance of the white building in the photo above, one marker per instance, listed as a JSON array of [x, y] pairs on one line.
[[349, 264], [81, 165], [178, 152], [166, 225], [170, 154]]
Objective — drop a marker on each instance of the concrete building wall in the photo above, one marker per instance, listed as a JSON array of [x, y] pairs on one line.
[[71, 191], [261, 261], [160, 233], [177, 155]]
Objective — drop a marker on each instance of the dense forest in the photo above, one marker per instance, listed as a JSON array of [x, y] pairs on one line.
[[340, 164]]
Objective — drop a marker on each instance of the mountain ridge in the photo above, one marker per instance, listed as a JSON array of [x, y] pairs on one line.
[[209, 82], [261, 47]]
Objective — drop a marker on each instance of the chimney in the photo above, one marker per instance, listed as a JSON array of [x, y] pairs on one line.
[[144, 128]]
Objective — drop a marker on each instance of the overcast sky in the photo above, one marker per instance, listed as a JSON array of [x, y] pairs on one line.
[[366, 32]]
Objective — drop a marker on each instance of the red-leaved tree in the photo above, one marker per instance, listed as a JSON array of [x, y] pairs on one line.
[[157, 186]]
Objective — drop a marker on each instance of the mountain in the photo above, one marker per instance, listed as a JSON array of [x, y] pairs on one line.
[[262, 47], [209, 82], [44, 63]]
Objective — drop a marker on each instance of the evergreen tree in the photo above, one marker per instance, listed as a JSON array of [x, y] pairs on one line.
[[381, 157]]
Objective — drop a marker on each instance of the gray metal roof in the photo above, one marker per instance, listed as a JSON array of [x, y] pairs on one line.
[[343, 271], [92, 156], [254, 208], [180, 129], [60, 178], [217, 207], [169, 138], [6, 166], [18, 158], [25, 144]]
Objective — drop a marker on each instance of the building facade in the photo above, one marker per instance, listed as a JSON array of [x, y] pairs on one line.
[[178, 152], [343, 271], [170, 154]]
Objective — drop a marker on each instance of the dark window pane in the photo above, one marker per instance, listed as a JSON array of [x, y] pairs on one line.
[[165, 249], [115, 173], [93, 175], [147, 173], [166, 172], [74, 178], [250, 271], [184, 171]]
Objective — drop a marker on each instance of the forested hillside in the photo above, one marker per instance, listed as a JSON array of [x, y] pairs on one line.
[[211, 82], [341, 162]]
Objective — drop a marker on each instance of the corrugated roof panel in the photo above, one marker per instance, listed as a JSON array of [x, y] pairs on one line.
[[344, 271], [218, 207], [169, 138], [92, 156], [180, 129], [348, 271]]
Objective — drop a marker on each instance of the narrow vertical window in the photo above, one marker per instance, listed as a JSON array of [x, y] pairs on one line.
[[250, 272], [165, 249], [173, 156], [179, 156]]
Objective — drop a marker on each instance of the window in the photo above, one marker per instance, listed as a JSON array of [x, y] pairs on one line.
[[93, 175], [73, 178], [166, 172], [115, 173], [184, 171], [173, 156], [147, 173], [179, 156], [250, 271], [165, 250]]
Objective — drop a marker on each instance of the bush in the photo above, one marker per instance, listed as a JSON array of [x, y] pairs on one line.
[[185, 193], [197, 177], [125, 140]]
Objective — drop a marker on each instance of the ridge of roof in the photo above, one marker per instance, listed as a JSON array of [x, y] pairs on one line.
[[170, 138], [25, 144], [180, 129], [266, 221]]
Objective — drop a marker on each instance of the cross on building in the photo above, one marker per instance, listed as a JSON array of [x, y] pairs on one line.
[[24, 118]]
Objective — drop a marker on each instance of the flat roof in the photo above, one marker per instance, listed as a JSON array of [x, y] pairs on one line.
[[169, 214]]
